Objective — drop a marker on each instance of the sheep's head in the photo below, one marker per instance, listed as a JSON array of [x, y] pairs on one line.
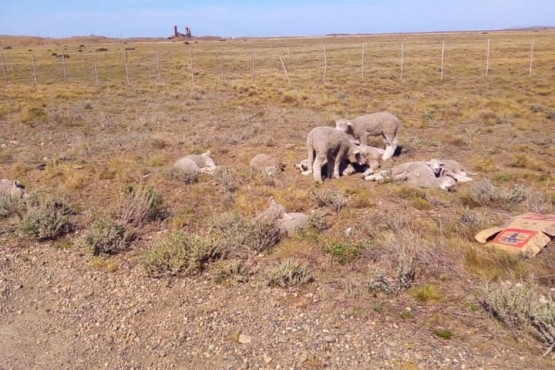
[[210, 164], [344, 125], [447, 183], [357, 155], [18, 190], [437, 166]]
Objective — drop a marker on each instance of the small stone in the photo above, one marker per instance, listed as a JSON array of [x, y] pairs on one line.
[[244, 339], [329, 338], [267, 359]]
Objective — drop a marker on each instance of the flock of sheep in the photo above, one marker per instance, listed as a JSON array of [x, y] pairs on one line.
[[331, 152]]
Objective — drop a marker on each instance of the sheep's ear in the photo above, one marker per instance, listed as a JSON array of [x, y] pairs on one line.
[[442, 172], [272, 201], [207, 152], [287, 216], [18, 184], [355, 141]]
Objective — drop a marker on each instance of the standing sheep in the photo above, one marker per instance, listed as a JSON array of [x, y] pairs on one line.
[[12, 188], [327, 145], [382, 124], [267, 164], [419, 174]]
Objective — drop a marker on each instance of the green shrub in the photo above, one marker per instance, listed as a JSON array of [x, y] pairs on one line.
[[178, 253], [234, 270], [332, 199], [10, 206], [523, 309], [235, 233], [344, 252], [138, 205], [289, 273], [45, 218], [108, 237], [188, 176]]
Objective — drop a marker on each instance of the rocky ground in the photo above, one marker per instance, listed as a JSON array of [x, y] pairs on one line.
[[58, 312]]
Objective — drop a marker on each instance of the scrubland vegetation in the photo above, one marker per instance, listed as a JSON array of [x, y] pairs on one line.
[[96, 160]]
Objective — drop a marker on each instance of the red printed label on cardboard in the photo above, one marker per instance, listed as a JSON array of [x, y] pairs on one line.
[[516, 238]]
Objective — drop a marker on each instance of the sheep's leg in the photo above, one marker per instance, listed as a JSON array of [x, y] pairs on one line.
[[390, 147], [319, 162], [363, 139], [308, 170]]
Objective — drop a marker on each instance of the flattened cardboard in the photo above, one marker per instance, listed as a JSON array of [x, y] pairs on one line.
[[525, 234]]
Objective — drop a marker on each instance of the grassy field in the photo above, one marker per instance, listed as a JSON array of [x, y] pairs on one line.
[[95, 141]]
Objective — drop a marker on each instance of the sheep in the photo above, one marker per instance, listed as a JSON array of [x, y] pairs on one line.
[[187, 169], [267, 164], [204, 162], [12, 188], [346, 168], [456, 170], [382, 124], [274, 212], [327, 145], [419, 174], [290, 223]]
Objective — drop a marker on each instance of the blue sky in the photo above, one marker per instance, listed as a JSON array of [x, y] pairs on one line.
[[156, 18]]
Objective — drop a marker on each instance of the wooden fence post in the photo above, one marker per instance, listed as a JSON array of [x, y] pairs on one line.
[[95, 72], [402, 59], [442, 58], [253, 67], [222, 67], [64, 67], [285, 70], [487, 59], [34, 70], [325, 65], [362, 61], [158, 74], [531, 56], [4, 70], [191, 66], [127, 68]]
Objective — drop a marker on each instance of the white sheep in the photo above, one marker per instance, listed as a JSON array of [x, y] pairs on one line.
[[292, 222], [273, 213], [187, 169], [419, 174], [456, 170], [346, 168], [327, 145], [204, 162], [267, 164], [12, 188], [382, 124]]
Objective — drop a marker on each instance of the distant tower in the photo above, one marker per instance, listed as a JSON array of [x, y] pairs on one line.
[[187, 31], [175, 33]]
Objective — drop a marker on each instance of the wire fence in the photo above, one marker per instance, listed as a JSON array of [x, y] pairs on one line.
[[332, 61]]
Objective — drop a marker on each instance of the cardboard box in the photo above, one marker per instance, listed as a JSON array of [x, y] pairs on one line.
[[525, 234]]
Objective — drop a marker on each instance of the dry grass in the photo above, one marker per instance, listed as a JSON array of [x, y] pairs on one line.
[[97, 139]]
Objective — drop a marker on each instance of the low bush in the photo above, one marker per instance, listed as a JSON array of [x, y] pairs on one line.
[[108, 237], [138, 205], [45, 218], [523, 309], [179, 253], [289, 273]]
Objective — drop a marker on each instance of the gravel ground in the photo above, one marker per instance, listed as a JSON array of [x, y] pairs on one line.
[[57, 312]]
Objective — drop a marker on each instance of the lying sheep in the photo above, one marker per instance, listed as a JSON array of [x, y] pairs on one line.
[[274, 212], [187, 169], [290, 223], [12, 188], [327, 145], [456, 170], [346, 168], [419, 174], [382, 124], [204, 162], [267, 164]]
